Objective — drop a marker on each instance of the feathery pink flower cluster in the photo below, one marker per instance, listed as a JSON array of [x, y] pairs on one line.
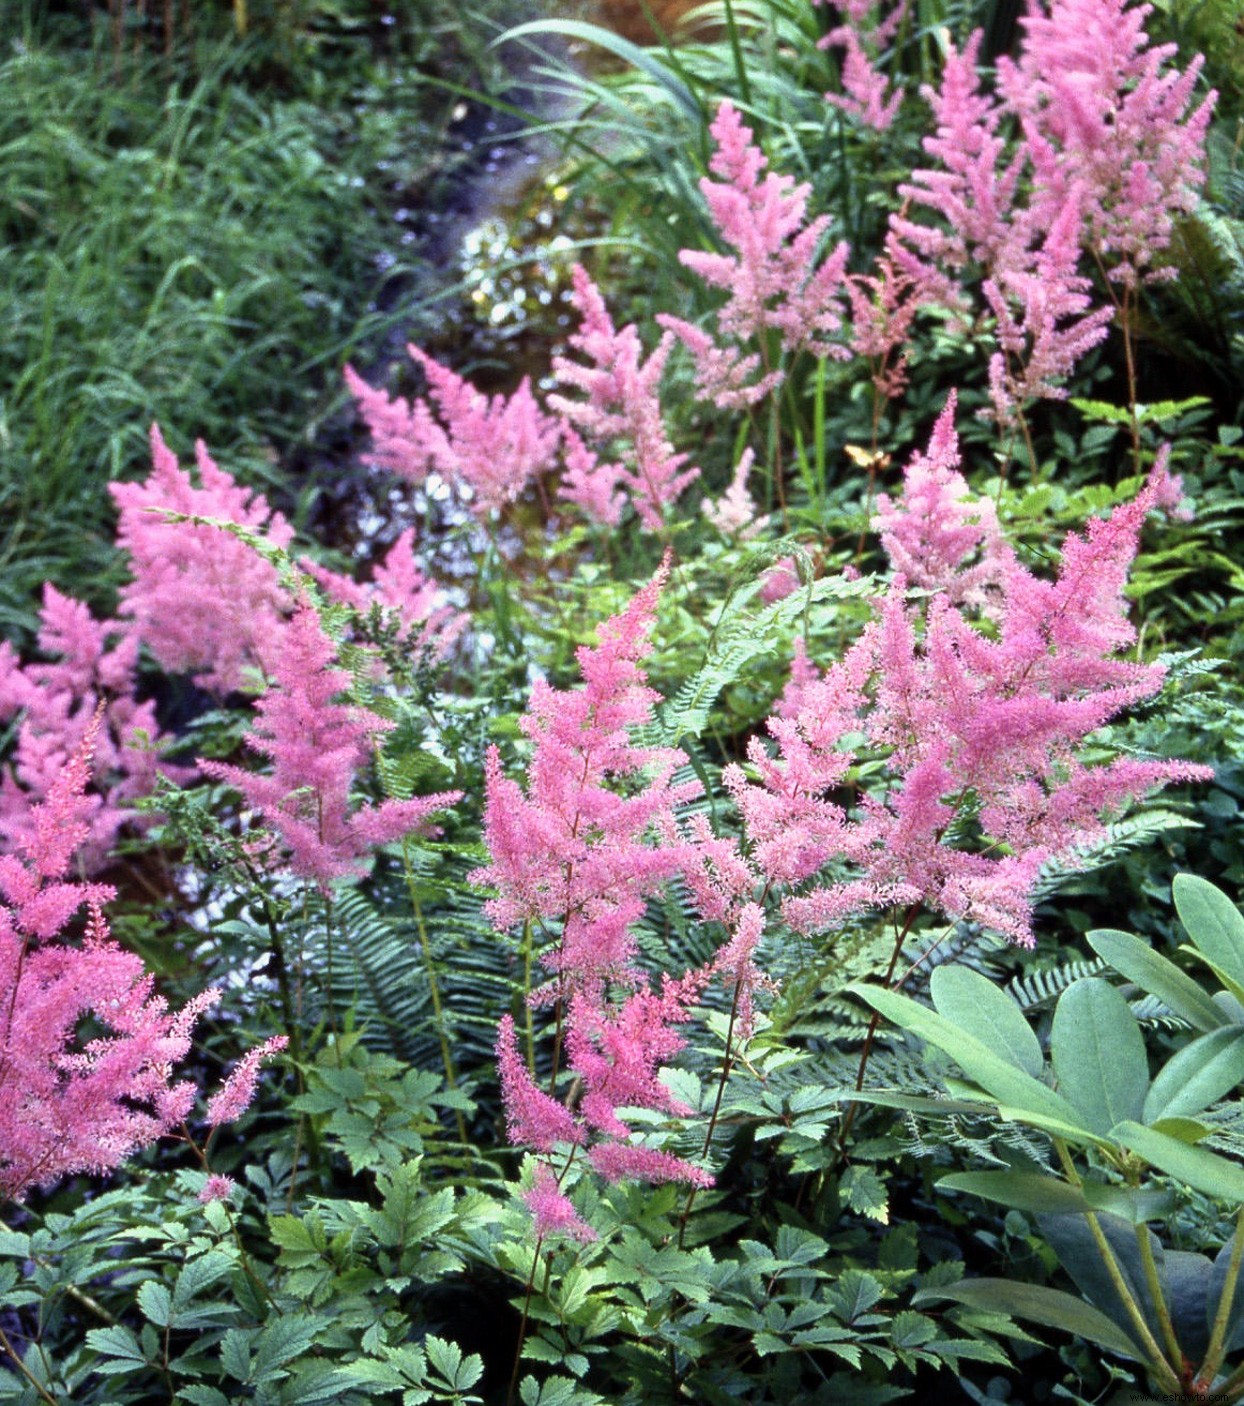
[[317, 745], [1109, 154], [774, 279], [577, 855], [622, 410], [1101, 111], [237, 1093], [93, 669], [735, 514], [202, 601], [487, 449], [399, 585], [67, 1106], [863, 38], [981, 730]]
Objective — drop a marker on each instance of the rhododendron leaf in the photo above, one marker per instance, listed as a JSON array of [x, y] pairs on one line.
[[1187, 1130], [1098, 1054], [912, 1103], [1233, 987], [1218, 1282], [978, 1005], [1198, 1075], [1194, 1166], [1036, 1304], [1030, 1192], [1214, 924], [1053, 1127], [1136, 1205], [997, 1076], [1135, 959], [1075, 1243]]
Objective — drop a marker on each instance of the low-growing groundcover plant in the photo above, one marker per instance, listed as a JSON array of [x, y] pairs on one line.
[[664, 935]]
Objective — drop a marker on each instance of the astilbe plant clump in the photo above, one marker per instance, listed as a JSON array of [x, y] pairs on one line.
[[866, 30], [1081, 163], [778, 282], [620, 413], [577, 855], [202, 601], [487, 449], [91, 675], [70, 1103], [980, 692], [317, 746]]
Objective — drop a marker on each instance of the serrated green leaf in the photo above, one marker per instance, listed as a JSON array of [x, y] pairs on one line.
[[156, 1303], [116, 1341], [863, 1191]]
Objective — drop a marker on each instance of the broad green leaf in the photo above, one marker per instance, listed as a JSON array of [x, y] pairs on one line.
[[1194, 1166], [1021, 1191], [1200, 1074], [1075, 1244], [994, 1074], [1098, 1054], [1234, 1338], [1053, 1127], [1134, 1204], [1186, 1284], [1187, 1130], [1213, 922], [1223, 973], [1159, 976], [1036, 1304], [980, 1007]]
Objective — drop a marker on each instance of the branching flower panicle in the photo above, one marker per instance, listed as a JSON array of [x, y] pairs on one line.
[[68, 1104], [620, 414], [775, 280], [982, 730], [317, 745], [201, 600], [487, 449]]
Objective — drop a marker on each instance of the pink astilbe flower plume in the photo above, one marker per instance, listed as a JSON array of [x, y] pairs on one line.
[[66, 1104], [552, 1211], [237, 1093], [863, 38], [202, 601], [489, 450], [317, 745], [982, 730], [1101, 110], [735, 513], [532, 1118], [577, 855], [94, 668], [620, 414], [399, 585], [774, 279]]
